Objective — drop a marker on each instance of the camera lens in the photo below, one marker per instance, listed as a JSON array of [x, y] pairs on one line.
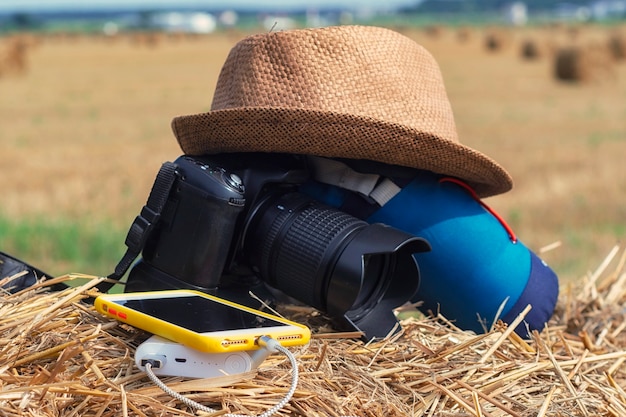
[[294, 242], [329, 259]]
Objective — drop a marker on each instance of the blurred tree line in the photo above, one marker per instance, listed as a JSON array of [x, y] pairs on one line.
[[482, 6], [20, 21]]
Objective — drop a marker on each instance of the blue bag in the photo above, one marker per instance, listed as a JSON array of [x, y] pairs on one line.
[[477, 270]]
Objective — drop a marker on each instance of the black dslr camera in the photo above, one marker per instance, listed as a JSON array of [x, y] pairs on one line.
[[231, 223]]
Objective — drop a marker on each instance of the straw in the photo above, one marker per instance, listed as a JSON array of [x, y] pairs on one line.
[[59, 357]]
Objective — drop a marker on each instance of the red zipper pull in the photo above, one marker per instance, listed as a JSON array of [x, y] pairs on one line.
[[469, 189]]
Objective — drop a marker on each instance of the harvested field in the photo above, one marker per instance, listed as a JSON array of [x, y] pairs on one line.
[[86, 127], [61, 358]]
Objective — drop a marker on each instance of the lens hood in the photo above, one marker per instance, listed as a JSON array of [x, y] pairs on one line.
[[375, 274]]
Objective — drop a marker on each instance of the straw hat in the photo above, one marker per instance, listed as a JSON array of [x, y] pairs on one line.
[[357, 92]]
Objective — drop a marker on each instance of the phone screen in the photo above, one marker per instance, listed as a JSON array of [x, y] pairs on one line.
[[199, 314]]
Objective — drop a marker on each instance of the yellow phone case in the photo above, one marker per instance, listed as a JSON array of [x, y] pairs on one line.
[[289, 334]]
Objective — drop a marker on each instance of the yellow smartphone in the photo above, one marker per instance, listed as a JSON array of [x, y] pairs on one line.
[[200, 321]]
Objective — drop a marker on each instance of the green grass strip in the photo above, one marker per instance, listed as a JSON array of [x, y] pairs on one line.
[[60, 246]]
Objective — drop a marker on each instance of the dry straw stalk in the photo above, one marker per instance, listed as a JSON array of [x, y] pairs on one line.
[[59, 357]]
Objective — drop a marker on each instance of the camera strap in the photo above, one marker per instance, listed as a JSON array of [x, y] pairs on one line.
[[144, 223]]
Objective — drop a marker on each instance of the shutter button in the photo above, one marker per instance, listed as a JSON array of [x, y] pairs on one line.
[[233, 180]]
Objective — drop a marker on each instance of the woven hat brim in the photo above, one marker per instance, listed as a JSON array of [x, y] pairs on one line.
[[313, 132]]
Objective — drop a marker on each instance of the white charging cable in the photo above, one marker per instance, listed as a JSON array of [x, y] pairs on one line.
[[264, 341]]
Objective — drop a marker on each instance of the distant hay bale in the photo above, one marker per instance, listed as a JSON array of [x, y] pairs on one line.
[[496, 40], [531, 49], [571, 65], [434, 31], [492, 42], [583, 64], [13, 55], [617, 46]]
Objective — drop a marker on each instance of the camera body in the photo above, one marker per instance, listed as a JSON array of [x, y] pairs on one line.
[[191, 242], [236, 222]]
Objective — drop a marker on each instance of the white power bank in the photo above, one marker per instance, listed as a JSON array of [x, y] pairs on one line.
[[173, 359]]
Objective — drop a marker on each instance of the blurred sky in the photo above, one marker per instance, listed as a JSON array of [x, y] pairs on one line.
[[46, 5]]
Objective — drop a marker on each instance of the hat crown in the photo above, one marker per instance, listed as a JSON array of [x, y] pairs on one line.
[[356, 92], [357, 70]]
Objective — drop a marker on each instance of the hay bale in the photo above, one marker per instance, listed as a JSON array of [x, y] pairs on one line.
[[14, 55], [617, 46], [496, 40], [493, 42], [571, 65], [531, 49], [583, 64], [60, 357], [434, 31]]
